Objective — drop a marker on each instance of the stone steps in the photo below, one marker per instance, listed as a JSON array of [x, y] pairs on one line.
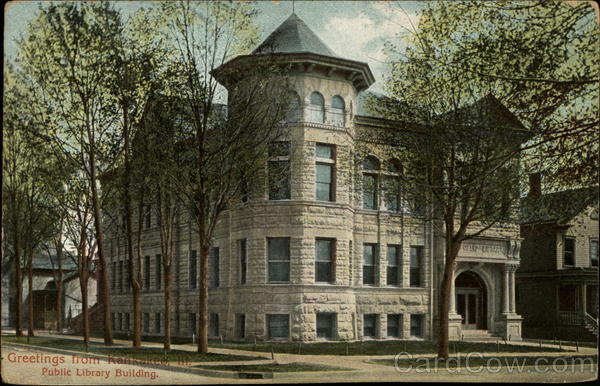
[[479, 335]]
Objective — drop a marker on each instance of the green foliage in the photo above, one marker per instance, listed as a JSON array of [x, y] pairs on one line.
[[539, 58]]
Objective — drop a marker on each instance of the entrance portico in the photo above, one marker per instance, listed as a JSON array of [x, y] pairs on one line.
[[483, 290]]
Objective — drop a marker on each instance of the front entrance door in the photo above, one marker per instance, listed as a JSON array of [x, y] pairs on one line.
[[468, 306]]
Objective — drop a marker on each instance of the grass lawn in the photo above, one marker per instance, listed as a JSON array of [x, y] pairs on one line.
[[273, 368], [491, 361], [146, 353], [381, 347]]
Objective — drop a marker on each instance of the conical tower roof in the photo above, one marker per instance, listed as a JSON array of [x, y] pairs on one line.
[[293, 36]]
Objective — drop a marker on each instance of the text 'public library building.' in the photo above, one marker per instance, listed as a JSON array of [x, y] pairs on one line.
[[318, 258]]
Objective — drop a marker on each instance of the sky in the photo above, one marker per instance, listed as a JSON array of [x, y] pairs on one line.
[[352, 29]]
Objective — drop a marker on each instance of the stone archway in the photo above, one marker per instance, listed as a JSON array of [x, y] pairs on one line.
[[471, 301]]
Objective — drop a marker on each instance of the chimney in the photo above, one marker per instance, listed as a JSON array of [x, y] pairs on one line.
[[535, 185]]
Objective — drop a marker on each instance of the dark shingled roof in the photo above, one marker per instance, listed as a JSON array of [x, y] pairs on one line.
[[559, 207], [293, 36]]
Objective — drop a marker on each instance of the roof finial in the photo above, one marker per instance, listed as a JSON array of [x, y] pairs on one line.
[[293, 6]]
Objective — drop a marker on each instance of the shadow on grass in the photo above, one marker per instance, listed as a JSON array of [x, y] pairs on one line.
[[121, 351], [273, 367], [382, 347]]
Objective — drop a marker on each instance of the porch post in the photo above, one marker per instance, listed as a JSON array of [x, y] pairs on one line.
[[506, 291], [584, 299]]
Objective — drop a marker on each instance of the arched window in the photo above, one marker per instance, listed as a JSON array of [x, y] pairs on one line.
[[317, 108], [294, 110], [370, 182], [391, 185], [337, 111]]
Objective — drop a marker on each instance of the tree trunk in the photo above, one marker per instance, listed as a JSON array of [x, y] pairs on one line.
[[167, 275], [59, 288], [451, 252], [203, 300], [18, 287], [137, 316], [84, 309], [105, 292], [30, 331]]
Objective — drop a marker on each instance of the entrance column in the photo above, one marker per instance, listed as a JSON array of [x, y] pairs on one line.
[[452, 296], [505, 291], [513, 305], [584, 300]]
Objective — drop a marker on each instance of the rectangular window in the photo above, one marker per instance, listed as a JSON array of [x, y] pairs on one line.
[[279, 259], [369, 263], [157, 322], [240, 326], [369, 191], [113, 282], [128, 285], [121, 278], [326, 325], [278, 326], [243, 260], [391, 188], [213, 325], [594, 252], [146, 322], [215, 266], [279, 171], [158, 269], [325, 260], [370, 325], [393, 264], [416, 325], [569, 256], [394, 325], [192, 270], [113, 320], [127, 323], [416, 256], [192, 318], [147, 272], [324, 170], [148, 216]]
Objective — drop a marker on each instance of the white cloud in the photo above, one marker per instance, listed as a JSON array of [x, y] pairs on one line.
[[362, 37]]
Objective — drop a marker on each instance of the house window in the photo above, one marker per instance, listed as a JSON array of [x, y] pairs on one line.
[[213, 323], [158, 269], [326, 325], [127, 323], [279, 259], [369, 263], [317, 108], [243, 260], [157, 322], [147, 272], [393, 264], [192, 270], [128, 286], [370, 181], [113, 320], [192, 323], [594, 252], [293, 113], [121, 278], [240, 326], [278, 326], [391, 186], [215, 266], [370, 325], [568, 297], [148, 217], [325, 260], [416, 257], [569, 251], [394, 325], [146, 321], [416, 325], [325, 170], [337, 117], [279, 171]]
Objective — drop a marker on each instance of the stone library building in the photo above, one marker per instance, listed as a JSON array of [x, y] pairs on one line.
[[321, 257]]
